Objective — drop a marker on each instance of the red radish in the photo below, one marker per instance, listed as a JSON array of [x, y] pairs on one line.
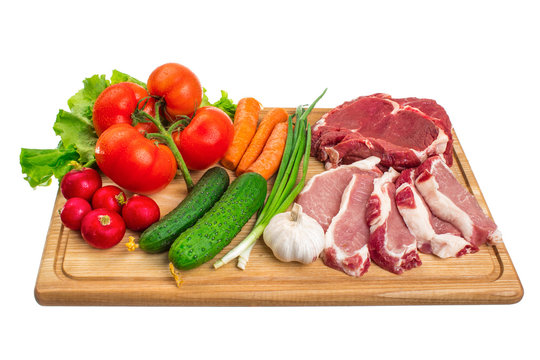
[[81, 183], [102, 228], [140, 212], [109, 197], [73, 212]]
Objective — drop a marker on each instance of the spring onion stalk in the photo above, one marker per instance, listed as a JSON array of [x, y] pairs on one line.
[[285, 189]]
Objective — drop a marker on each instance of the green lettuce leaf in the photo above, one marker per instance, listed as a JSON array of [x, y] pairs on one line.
[[82, 103], [224, 103], [40, 165], [77, 132], [118, 77]]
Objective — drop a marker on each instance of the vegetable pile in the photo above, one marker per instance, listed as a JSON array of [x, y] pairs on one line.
[[139, 135]]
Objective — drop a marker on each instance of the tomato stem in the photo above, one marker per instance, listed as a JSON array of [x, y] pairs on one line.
[[167, 138], [156, 136], [177, 125]]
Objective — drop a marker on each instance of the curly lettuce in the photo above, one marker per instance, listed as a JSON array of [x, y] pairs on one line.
[[224, 103], [76, 131]]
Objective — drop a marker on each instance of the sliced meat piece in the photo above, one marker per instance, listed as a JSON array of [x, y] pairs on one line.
[[402, 132], [321, 197], [391, 245], [433, 235], [451, 202], [347, 236]]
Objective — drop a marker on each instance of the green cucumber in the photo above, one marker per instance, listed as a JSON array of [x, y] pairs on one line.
[[160, 235], [219, 225]]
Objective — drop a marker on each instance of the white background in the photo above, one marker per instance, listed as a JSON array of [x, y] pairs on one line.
[[478, 59]]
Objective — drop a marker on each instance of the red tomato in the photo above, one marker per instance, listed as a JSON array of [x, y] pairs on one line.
[[116, 104], [206, 139], [134, 162], [179, 86], [140, 212], [102, 228]]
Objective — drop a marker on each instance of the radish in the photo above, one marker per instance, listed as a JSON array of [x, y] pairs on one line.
[[74, 210], [109, 197], [81, 183], [102, 228], [140, 212]]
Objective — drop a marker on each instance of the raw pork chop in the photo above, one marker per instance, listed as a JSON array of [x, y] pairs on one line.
[[347, 236], [433, 235], [391, 245], [402, 132], [451, 202], [321, 197]]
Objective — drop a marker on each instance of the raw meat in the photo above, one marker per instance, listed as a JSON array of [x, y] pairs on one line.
[[433, 235], [391, 245], [402, 132], [321, 197], [450, 201], [347, 236]]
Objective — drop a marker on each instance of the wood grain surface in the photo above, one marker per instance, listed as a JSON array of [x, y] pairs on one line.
[[73, 273]]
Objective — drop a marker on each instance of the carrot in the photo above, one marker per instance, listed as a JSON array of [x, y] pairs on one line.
[[274, 117], [245, 125], [268, 161]]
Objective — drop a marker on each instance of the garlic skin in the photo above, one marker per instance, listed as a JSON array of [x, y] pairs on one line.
[[294, 236]]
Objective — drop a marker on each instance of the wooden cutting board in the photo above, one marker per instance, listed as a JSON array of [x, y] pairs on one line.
[[73, 273]]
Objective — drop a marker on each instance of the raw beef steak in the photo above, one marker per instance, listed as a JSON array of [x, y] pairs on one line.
[[347, 236], [402, 132], [433, 235], [321, 197], [391, 245], [450, 201]]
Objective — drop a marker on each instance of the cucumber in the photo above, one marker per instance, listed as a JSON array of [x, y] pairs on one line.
[[219, 226], [160, 235]]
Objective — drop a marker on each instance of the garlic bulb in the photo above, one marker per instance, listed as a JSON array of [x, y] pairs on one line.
[[294, 236]]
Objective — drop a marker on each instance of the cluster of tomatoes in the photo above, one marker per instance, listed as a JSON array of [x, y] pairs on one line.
[[140, 163], [102, 213], [125, 116]]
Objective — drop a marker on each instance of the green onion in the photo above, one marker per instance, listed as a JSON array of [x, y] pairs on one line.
[[285, 189], [284, 161]]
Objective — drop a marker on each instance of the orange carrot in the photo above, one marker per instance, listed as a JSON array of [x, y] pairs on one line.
[[245, 125], [274, 117], [268, 161]]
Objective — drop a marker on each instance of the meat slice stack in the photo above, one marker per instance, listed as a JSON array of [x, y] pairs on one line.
[[433, 235], [391, 244], [385, 218], [402, 132]]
